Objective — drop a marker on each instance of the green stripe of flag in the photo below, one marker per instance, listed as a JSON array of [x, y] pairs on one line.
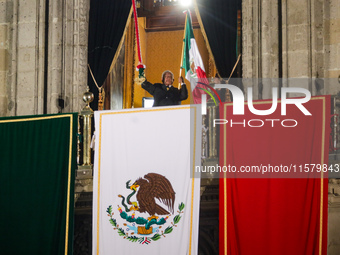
[[189, 33]]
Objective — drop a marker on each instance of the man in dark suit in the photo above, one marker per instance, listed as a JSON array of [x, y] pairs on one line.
[[164, 93]]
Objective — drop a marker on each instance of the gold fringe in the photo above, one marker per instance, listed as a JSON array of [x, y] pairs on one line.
[[121, 41], [204, 35], [129, 71]]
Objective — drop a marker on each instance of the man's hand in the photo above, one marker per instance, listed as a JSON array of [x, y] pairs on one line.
[[139, 80]]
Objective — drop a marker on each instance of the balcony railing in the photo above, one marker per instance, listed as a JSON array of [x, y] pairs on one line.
[[210, 136]]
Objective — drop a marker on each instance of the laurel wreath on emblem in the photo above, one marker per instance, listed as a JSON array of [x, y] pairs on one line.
[[144, 240], [153, 186]]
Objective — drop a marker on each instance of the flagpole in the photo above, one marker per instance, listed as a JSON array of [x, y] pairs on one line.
[[180, 65]]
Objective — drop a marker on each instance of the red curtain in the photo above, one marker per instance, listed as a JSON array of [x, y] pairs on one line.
[[284, 210]]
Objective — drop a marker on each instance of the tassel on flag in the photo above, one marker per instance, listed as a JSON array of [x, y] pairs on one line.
[[140, 68]]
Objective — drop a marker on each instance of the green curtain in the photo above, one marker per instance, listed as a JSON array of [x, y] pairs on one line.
[[37, 166]]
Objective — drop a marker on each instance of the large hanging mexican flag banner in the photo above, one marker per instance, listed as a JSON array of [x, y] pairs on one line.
[[275, 199], [146, 198]]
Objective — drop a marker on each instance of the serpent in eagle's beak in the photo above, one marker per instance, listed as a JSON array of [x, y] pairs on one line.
[[134, 187]]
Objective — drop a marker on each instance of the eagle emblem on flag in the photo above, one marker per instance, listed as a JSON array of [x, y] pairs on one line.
[[143, 219]]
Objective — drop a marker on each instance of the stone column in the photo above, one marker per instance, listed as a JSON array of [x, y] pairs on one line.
[[260, 45], [24, 57], [310, 39], [42, 59], [68, 46], [79, 59], [4, 55], [250, 43], [331, 49]]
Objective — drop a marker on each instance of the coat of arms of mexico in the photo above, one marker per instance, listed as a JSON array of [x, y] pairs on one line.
[[141, 201]]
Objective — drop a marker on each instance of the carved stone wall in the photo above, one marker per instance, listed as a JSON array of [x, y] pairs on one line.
[[43, 55], [4, 55], [73, 54], [22, 28], [291, 39], [332, 38]]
